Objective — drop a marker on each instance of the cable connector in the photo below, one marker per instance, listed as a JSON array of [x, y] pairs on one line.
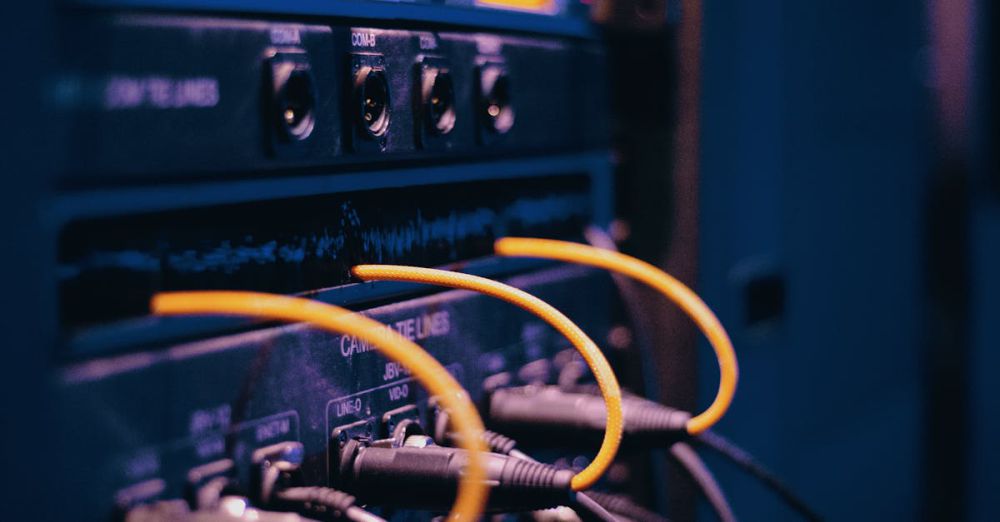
[[319, 499], [421, 475], [278, 487], [495, 442], [548, 414], [322, 504], [625, 508]]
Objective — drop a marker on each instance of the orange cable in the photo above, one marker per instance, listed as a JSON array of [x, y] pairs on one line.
[[605, 377], [472, 490], [666, 284]]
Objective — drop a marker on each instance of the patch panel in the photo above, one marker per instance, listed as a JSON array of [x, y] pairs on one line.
[[204, 408], [239, 96], [272, 154]]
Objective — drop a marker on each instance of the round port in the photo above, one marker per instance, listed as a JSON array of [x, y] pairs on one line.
[[372, 90], [438, 92], [495, 92], [295, 99]]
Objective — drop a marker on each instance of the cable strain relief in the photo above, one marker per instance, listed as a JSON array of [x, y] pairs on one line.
[[624, 506], [534, 476], [648, 417], [498, 443], [317, 501]]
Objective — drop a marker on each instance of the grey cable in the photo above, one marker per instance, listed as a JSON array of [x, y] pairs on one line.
[[624, 507], [687, 457], [356, 514], [325, 502], [589, 510], [748, 463]]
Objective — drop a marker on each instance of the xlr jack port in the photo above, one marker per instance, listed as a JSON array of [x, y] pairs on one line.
[[372, 96], [496, 111], [294, 99], [438, 96]]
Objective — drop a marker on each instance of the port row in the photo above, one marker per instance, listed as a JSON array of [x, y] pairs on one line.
[[435, 108]]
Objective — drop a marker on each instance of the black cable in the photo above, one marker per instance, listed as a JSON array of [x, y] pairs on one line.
[[554, 416], [422, 475], [586, 507], [692, 463], [633, 302], [749, 464], [576, 414], [323, 503], [644, 330], [623, 506], [589, 510], [636, 309], [557, 414]]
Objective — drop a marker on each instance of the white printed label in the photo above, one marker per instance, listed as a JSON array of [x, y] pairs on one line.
[[399, 392], [273, 429], [417, 328], [159, 92], [487, 44], [285, 36], [348, 407], [427, 42], [363, 39], [393, 371], [209, 420], [210, 447]]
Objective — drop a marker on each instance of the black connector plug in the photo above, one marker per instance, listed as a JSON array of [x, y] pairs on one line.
[[421, 475], [319, 503], [293, 95], [495, 93], [371, 88], [436, 90], [588, 509], [549, 414], [624, 507], [277, 480]]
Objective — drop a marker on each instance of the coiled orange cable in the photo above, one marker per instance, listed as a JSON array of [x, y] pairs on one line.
[[666, 284], [605, 377], [472, 490]]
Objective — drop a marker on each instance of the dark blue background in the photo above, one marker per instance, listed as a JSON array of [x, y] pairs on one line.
[[822, 166]]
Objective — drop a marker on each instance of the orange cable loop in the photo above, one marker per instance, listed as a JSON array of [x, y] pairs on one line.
[[472, 489], [667, 285]]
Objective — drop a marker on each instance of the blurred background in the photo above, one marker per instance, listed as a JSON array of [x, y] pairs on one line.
[[838, 205], [841, 163]]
